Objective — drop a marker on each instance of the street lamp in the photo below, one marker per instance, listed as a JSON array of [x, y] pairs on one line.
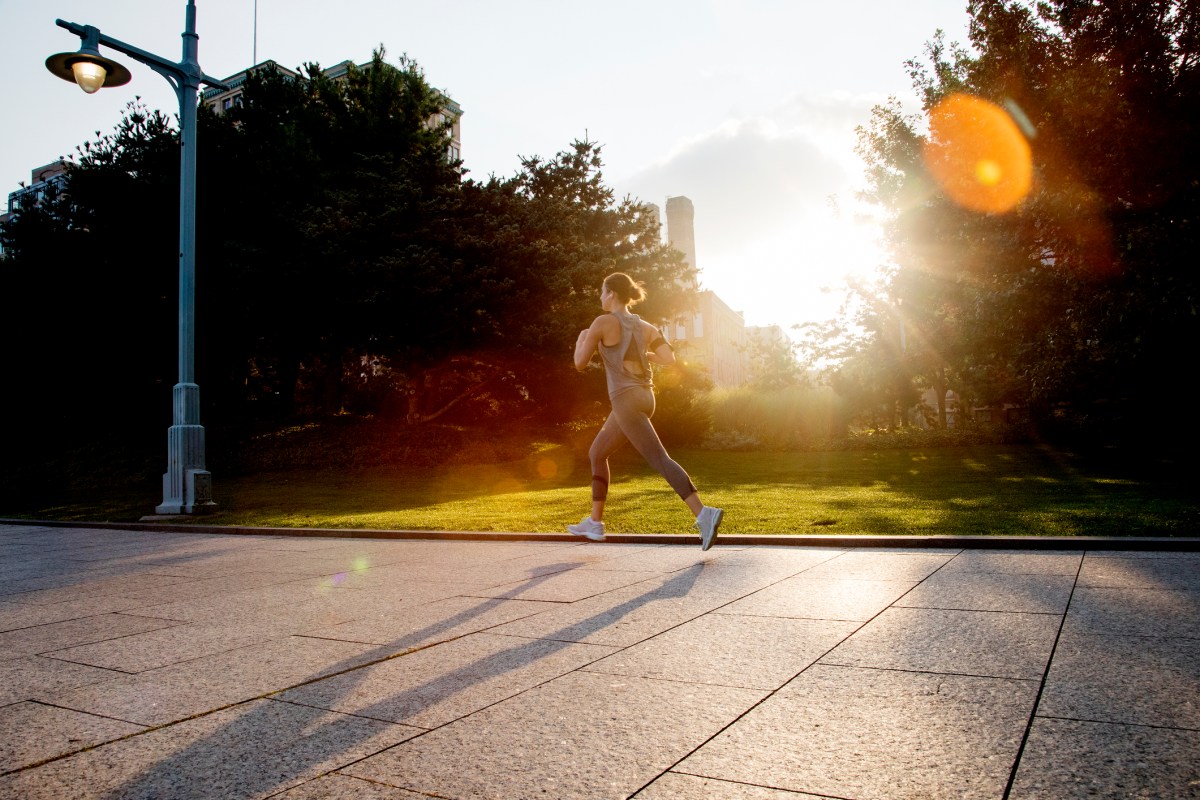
[[187, 485]]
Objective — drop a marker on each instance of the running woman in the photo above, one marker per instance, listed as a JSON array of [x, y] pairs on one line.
[[621, 337]]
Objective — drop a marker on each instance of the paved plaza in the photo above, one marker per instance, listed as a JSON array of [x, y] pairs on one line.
[[155, 663]]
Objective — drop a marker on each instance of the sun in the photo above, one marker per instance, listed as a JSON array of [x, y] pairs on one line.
[[799, 273]]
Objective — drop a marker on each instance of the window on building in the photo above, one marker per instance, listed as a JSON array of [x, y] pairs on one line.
[[698, 325]]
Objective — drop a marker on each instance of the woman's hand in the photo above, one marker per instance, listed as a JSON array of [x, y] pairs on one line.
[[585, 345]]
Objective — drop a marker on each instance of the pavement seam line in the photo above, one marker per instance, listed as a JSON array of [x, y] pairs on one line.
[[1124, 724], [1037, 700], [126, 737]]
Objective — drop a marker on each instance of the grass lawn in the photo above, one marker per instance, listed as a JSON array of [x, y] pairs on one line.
[[979, 490]]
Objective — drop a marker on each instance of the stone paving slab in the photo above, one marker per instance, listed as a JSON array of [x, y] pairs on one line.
[[1141, 573], [17, 616], [207, 587], [960, 642], [1069, 759], [881, 566], [863, 733], [249, 751], [72, 633], [33, 732], [61, 588], [581, 736], [340, 787], [1169, 553], [300, 594], [729, 578], [440, 684], [655, 558], [644, 668], [727, 650], [674, 786], [179, 691], [1130, 679], [1016, 562], [1134, 612], [25, 677], [462, 576], [976, 591], [425, 624], [822, 598], [139, 652], [566, 587], [621, 617]]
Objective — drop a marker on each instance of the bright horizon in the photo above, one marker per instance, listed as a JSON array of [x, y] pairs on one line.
[[746, 108]]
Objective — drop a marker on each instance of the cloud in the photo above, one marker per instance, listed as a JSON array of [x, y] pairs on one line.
[[776, 234], [761, 176]]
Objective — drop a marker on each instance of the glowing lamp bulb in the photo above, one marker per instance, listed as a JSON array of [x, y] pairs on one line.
[[89, 75]]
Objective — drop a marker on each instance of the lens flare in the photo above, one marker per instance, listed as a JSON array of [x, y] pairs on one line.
[[978, 155], [546, 468]]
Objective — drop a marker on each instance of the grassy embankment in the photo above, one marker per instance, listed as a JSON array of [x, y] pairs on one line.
[[973, 490]]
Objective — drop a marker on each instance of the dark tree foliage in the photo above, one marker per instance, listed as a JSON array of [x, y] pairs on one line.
[[1078, 301], [343, 264], [89, 282]]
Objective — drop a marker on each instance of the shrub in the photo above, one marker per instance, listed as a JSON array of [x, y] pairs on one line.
[[915, 438], [791, 418], [683, 415]]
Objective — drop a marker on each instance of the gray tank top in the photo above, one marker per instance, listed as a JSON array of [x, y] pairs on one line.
[[630, 347]]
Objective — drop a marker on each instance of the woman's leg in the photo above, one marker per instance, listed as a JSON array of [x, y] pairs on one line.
[[607, 441], [632, 411]]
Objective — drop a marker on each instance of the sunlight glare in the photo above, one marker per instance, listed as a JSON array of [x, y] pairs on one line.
[[805, 271], [978, 155]]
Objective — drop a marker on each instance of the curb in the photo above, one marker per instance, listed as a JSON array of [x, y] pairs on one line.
[[1138, 543]]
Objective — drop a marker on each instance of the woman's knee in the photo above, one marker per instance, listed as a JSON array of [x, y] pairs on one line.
[[597, 455]]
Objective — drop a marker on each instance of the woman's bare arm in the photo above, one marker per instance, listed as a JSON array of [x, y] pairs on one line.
[[589, 340]]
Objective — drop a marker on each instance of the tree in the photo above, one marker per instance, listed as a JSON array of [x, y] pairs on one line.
[[773, 362], [1075, 297], [537, 246], [90, 299], [343, 260], [334, 187]]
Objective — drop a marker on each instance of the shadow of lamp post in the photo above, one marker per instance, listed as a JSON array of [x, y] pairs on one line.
[[187, 485]]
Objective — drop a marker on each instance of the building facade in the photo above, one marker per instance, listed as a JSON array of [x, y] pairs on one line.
[[681, 227], [44, 181], [713, 338]]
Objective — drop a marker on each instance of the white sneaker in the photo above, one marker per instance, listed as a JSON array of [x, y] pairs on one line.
[[708, 521], [588, 527]]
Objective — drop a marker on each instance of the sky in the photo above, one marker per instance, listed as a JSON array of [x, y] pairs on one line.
[[747, 107]]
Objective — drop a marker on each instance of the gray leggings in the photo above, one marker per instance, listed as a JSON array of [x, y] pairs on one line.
[[630, 420]]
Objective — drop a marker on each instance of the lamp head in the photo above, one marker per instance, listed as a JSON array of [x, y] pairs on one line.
[[87, 67]]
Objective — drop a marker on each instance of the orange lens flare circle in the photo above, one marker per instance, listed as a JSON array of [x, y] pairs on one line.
[[978, 155]]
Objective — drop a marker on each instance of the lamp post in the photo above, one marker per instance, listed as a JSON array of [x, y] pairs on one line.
[[187, 485]]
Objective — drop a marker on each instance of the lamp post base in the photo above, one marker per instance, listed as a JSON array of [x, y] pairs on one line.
[[187, 485], [196, 495]]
